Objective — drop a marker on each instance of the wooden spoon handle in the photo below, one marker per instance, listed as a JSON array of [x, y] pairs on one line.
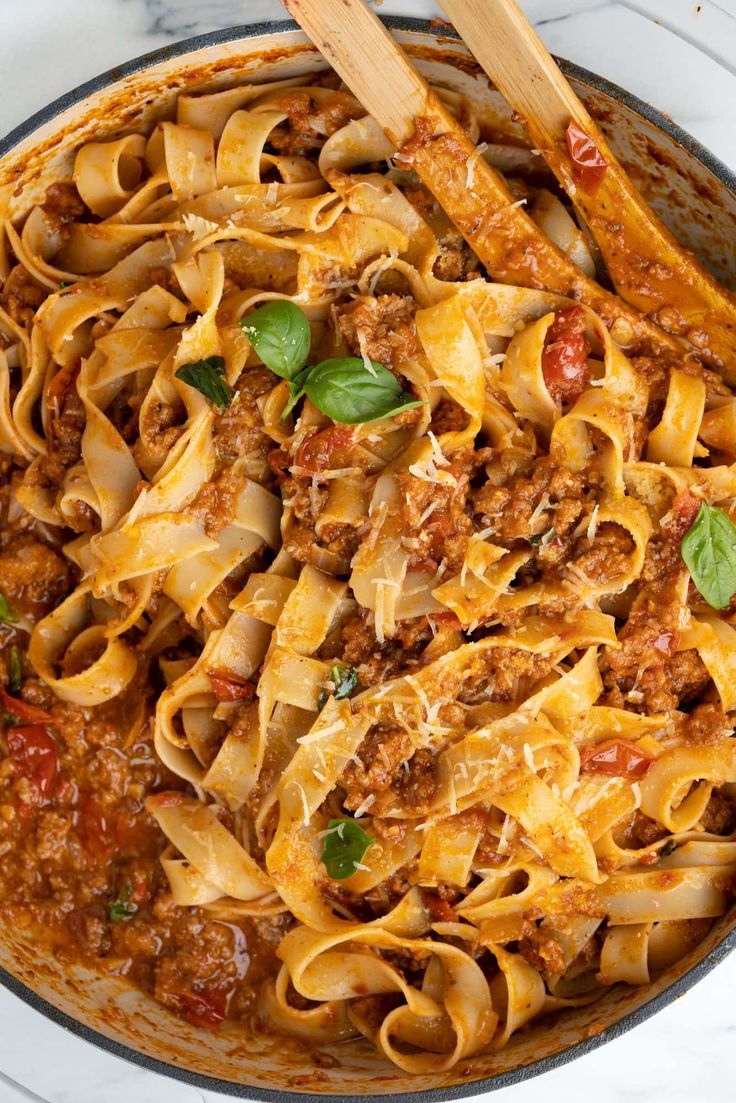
[[361, 50], [432, 142], [504, 42], [649, 268]]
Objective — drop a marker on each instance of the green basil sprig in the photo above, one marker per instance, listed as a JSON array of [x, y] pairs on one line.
[[8, 614], [344, 848], [344, 388], [279, 332], [709, 550], [345, 680], [123, 907], [206, 376]]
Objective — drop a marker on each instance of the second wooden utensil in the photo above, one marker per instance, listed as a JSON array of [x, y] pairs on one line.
[[649, 269]]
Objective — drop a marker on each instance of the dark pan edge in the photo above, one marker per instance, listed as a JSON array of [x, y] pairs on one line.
[[512, 1076]]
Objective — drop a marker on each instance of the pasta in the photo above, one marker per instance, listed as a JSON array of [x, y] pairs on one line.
[[357, 609]]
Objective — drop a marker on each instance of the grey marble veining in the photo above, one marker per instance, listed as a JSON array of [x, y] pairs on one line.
[[683, 61]]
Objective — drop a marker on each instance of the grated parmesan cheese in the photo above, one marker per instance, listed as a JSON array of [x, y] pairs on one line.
[[199, 227], [529, 757], [314, 737], [363, 808], [593, 524], [471, 163], [503, 841], [363, 346], [428, 512], [305, 803]]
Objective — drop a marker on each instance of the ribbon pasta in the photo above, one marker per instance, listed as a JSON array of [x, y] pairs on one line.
[[463, 629]]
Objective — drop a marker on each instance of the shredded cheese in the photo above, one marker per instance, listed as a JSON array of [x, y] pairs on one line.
[[363, 808], [471, 163], [305, 803], [428, 512], [363, 346], [199, 227], [329, 729]]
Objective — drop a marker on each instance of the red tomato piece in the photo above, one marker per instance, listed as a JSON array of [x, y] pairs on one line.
[[315, 454], [440, 910], [588, 166], [279, 462], [615, 757], [205, 1009], [565, 356], [228, 689], [96, 828], [21, 710], [34, 751]]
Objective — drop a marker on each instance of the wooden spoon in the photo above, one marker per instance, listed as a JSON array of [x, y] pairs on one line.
[[431, 141], [649, 269]]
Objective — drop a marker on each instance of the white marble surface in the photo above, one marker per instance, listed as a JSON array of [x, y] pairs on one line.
[[679, 55]]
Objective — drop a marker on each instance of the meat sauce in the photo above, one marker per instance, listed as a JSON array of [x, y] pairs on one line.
[[79, 854]]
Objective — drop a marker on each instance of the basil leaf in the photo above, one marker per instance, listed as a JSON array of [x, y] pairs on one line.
[[709, 550], [345, 680], [16, 671], [280, 334], [206, 377], [297, 391], [123, 907], [344, 848], [669, 848], [8, 614], [346, 391]]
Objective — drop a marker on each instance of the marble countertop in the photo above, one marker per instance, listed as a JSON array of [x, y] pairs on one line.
[[681, 57]]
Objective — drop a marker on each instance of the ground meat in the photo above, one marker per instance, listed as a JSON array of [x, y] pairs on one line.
[[444, 533], [33, 576], [22, 296], [163, 277], [707, 723], [548, 497], [638, 674], [381, 754], [541, 950], [239, 429], [63, 204], [81, 857], [642, 832], [333, 548], [448, 417], [383, 325], [456, 261], [160, 429], [607, 557], [720, 814], [504, 674], [310, 121], [67, 417], [646, 671], [216, 500]]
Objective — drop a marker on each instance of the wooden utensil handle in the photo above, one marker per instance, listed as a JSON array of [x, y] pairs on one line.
[[348, 34], [500, 36]]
